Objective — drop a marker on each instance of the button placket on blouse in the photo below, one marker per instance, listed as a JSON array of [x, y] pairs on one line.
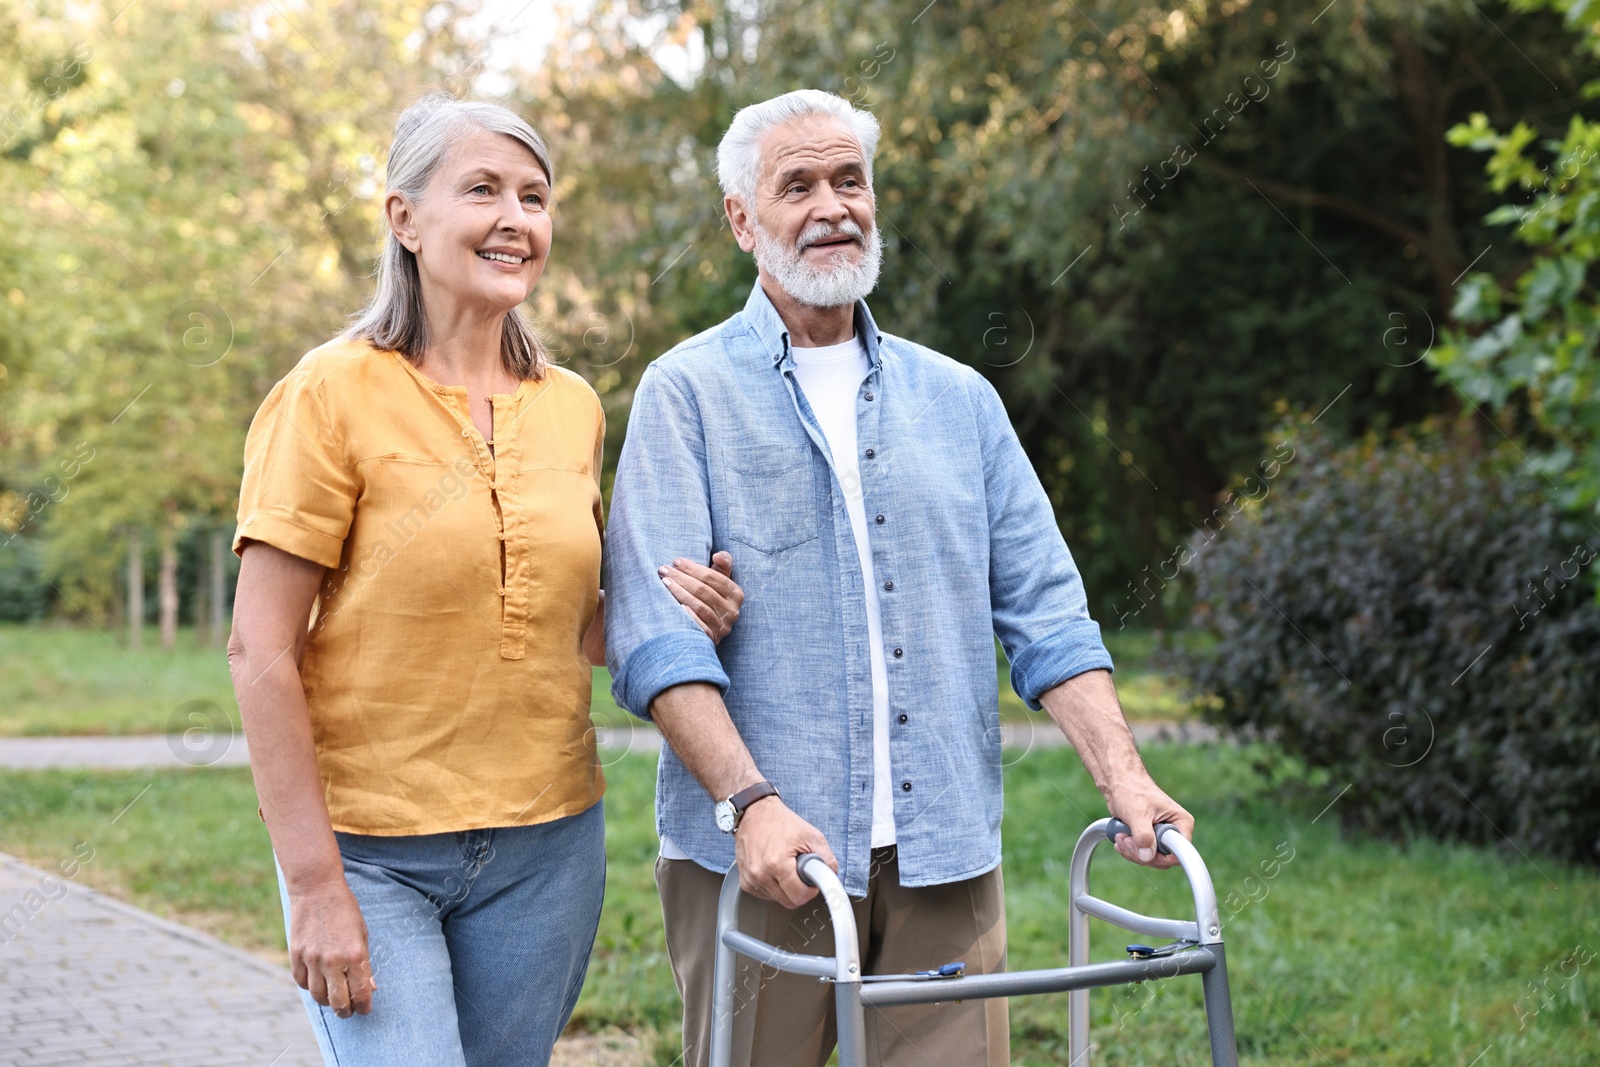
[[469, 432], [514, 579], [490, 465]]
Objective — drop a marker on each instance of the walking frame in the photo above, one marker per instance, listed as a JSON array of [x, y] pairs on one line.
[[1196, 949]]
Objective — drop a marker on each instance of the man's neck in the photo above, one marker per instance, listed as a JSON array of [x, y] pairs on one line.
[[810, 327]]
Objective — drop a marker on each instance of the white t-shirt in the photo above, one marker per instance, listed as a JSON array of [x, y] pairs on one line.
[[831, 377]]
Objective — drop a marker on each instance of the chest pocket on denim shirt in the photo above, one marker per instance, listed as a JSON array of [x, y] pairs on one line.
[[772, 497]]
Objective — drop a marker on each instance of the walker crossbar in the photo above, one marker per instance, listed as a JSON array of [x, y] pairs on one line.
[[852, 996]]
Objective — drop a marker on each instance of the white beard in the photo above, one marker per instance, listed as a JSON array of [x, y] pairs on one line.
[[837, 283]]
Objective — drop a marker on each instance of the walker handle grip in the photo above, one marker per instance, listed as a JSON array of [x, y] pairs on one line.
[[800, 865], [1117, 826]]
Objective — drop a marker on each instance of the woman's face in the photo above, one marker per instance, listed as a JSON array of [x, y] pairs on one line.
[[481, 233]]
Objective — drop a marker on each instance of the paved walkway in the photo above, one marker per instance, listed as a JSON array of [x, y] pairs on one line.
[[179, 750], [89, 981]]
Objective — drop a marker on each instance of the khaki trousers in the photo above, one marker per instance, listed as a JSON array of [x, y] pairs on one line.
[[787, 1020]]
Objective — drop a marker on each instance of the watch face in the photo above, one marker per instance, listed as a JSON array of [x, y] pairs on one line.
[[725, 816]]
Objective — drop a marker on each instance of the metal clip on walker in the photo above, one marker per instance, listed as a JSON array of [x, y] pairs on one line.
[[949, 970], [1196, 949]]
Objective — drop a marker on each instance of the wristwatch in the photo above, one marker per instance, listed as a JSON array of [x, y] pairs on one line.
[[730, 811]]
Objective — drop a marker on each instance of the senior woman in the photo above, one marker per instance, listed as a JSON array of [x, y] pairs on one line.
[[417, 611]]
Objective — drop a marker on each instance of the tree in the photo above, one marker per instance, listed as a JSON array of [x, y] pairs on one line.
[[1524, 343], [192, 184], [1151, 225]]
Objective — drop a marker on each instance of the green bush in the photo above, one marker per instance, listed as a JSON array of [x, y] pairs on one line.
[[1417, 620], [24, 593]]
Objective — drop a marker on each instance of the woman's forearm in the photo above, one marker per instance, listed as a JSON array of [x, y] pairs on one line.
[[283, 760]]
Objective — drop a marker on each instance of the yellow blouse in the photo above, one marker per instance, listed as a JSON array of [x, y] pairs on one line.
[[444, 670]]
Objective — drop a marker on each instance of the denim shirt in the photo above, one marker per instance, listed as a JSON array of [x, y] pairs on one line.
[[724, 452]]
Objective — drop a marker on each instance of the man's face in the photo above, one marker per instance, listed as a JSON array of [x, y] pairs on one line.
[[811, 225], [814, 174]]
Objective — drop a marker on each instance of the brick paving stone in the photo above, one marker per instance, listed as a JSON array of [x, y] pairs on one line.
[[87, 980]]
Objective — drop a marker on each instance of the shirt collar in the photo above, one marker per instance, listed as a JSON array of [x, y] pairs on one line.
[[774, 335]]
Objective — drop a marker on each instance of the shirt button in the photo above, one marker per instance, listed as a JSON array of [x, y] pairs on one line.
[[501, 535], [903, 718], [889, 585], [880, 520], [899, 652], [870, 453], [905, 787], [869, 396], [466, 433]]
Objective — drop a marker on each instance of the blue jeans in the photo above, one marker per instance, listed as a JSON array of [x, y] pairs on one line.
[[479, 942]]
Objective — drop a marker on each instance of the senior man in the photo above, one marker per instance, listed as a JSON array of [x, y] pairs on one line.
[[888, 527]]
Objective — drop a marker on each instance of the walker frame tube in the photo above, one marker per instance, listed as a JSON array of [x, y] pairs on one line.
[[852, 996]]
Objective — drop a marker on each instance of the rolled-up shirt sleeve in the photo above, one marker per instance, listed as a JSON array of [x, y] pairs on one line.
[[1040, 610], [298, 493], [660, 511]]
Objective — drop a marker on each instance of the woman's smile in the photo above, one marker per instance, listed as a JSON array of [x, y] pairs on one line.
[[504, 259]]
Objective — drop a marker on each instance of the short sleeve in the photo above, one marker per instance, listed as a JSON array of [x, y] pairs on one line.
[[298, 494]]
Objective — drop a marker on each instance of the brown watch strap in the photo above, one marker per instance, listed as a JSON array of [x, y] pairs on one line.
[[746, 797]]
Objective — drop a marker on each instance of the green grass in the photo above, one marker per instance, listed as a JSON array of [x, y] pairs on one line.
[[185, 844], [57, 680], [1355, 952], [76, 680]]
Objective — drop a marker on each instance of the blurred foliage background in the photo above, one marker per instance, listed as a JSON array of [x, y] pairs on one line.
[[1293, 306], [1164, 230]]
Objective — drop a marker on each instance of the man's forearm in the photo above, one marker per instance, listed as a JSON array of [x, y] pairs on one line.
[[695, 722], [1088, 712]]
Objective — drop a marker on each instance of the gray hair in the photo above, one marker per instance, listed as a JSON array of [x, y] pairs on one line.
[[739, 154], [424, 137]]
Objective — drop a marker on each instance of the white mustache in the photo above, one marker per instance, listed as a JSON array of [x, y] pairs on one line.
[[821, 231]]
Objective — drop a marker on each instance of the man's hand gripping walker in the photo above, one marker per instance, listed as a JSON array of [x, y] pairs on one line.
[[1195, 948]]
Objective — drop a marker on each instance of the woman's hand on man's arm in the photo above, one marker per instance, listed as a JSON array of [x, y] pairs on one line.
[[709, 594]]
